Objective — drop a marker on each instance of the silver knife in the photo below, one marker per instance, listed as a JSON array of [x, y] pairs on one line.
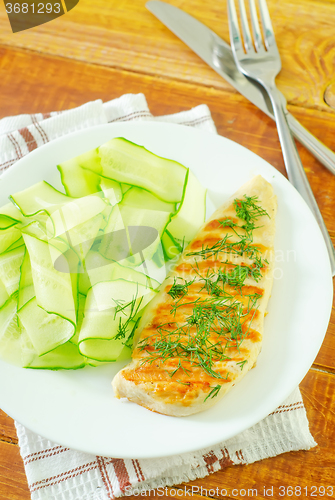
[[217, 54]]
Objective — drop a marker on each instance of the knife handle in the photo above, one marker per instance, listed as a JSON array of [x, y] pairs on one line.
[[316, 147]]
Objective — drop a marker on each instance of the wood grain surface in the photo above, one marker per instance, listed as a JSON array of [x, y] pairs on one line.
[[124, 35], [104, 49]]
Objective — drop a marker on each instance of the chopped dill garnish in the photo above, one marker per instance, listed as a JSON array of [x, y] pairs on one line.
[[218, 320], [123, 326], [184, 383], [218, 323], [242, 363], [214, 392], [129, 341], [214, 282], [211, 283], [179, 289], [228, 223], [240, 247], [249, 211]]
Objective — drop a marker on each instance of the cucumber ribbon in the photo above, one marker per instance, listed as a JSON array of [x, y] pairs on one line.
[[78, 268]]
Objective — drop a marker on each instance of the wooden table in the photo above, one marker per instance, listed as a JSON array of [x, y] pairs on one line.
[[103, 49]]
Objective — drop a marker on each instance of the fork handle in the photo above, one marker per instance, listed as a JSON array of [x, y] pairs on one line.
[[295, 169]]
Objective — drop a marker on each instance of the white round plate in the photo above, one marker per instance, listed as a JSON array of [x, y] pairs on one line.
[[77, 408]]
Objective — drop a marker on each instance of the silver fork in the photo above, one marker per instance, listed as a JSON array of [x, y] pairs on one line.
[[263, 65]]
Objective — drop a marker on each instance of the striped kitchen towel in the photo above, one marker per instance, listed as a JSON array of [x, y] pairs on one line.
[[59, 473]]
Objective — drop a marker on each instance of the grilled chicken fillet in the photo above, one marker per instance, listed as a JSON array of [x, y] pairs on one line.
[[203, 331]]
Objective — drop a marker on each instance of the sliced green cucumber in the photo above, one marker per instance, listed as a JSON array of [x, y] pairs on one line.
[[119, 294], [75, 292], [114, 244], [80, 318], [90, 160], [10, 343], [74, 213], [128, 163], [26, 286], [94, 362], [10, 263], [158, 256], [111, 189], [102, 349], [3, 294], [144, 229], [16, 244], [36, 230], [93, 256], [191, 213], [140, 198], [84, 283], [100, 269], [53, 288], [11, 213], [6, 222], [125, 188], [39, 197], [104, 332], [155, 272], [66, 357], [63, 258], [97, 337], [171, 246], [81, 238], [78, 181], [9, 237], [28, 352], [133, 275], [46, 331], [125, 353]]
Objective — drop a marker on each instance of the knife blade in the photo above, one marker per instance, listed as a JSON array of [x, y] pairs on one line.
[[217, 54]]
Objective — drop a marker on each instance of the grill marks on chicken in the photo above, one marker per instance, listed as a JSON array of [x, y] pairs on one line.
[[203, 331]]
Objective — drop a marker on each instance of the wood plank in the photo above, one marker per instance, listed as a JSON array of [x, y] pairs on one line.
[[126, 35], [58, 84], [326, 356], [330, 95], [7, 428], [303, 468], [13, 481]]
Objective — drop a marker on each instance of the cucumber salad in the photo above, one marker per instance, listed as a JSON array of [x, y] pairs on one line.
[[78, 268]]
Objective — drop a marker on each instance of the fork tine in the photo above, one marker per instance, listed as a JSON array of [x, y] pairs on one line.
[[245, 27], [255, 26], [267, 26], [234, 30]]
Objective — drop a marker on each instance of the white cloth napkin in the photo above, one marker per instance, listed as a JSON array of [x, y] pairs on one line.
[[58, 473]]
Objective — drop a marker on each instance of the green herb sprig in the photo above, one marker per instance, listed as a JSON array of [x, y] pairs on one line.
[[178, 289], [214, 392], [218, 320]]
